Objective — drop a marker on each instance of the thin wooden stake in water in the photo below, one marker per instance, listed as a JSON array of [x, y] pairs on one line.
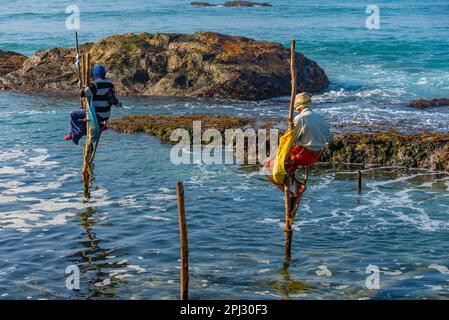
[[359, 181], [288, 226], [288, 231], [184, 243]]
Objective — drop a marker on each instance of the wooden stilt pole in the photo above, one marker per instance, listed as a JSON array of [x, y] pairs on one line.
[[359, 181], [88, 146], [288, 232], [184, 286], [287, 199]]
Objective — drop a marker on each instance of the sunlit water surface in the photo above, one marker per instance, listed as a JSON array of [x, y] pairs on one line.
[[125, 240]]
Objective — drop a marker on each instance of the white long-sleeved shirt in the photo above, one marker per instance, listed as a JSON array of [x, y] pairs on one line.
[[313, 132]]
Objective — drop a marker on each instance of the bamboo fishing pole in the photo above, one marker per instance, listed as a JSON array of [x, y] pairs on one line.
[[287, 198]]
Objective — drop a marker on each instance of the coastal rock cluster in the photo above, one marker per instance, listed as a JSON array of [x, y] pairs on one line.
[[232, 4], [200, 65], [426, 150]]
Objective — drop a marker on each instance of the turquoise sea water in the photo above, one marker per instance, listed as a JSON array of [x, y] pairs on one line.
[[125, 240]]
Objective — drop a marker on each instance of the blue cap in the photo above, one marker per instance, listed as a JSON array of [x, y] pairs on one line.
[[99, 71]]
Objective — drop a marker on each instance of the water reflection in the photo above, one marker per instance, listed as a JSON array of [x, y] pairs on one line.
[[287, 286], [96, 263]]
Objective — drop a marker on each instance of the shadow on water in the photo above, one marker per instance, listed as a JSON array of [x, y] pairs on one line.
[[92, 260]]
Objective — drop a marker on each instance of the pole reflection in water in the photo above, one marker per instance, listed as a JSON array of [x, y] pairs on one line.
[[101, 271]]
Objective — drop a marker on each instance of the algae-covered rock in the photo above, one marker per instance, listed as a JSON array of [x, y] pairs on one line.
[[426, 150], [203, 4], [424, 103], [10, 61], [204, 64], [162, 125]]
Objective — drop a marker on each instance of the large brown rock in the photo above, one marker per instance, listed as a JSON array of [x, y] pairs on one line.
[[204, 64], [10, 61]]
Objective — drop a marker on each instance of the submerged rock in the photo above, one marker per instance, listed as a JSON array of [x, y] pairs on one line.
[[423, 103], [204, 64], [246, 4], [203, 4], [426, 150], [10, 61], [232, 4]]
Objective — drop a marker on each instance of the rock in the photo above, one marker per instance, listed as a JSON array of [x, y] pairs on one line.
[[201, 65], [246, 4], [162, 125], [202, 4], [423, 103], [10, 61], [426, 150]]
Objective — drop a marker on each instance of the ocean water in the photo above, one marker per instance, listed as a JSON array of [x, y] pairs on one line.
[[125, 240]]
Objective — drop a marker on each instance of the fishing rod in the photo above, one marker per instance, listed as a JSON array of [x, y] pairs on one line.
[[78, 64], [78, 56]]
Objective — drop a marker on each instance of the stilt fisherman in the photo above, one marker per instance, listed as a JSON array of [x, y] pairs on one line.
[[103, 95]]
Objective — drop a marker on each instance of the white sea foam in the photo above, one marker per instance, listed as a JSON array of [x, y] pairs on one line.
[[33, 188], [138, 269], [11, 154], [441, 269], [11, 184], [391, 273], [162, 197], [157, 218], [434, 287], [128, 201], [323, 271], [11, 170]]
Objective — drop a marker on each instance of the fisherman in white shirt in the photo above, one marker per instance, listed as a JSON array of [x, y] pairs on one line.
[[312, 134]]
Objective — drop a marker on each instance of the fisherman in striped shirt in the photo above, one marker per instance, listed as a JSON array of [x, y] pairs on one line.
[[103, 95]]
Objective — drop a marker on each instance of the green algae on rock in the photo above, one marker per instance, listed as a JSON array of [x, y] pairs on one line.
[[426, 150], [162, 125]]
